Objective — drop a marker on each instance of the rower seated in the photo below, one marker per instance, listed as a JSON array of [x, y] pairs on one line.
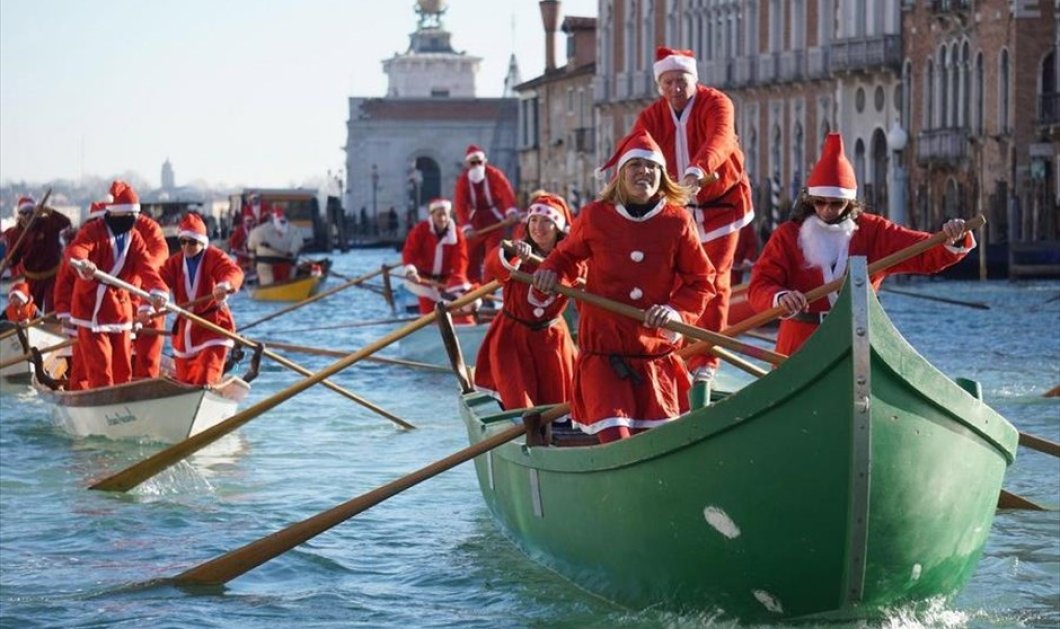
[[275, 247], [20, 305]]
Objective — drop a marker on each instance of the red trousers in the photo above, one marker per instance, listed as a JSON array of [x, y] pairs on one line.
[[476, 254], [147, 349], [105, 357], [206, 367], [716, 315]]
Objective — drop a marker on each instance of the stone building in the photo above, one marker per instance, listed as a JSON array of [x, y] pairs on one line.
[[556, 119], [408, 147]]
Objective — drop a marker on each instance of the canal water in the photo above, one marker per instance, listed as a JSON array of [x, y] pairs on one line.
[[432, 557]]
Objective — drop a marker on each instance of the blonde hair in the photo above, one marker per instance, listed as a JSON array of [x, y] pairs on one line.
[[675, 194]]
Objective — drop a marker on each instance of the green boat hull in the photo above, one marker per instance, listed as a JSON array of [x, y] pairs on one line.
[[852, 478]]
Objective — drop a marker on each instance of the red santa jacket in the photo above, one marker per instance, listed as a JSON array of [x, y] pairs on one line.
[[704, 141], [41, 250], [25, 312], [441, 259], [96, 305], [784, 266], [214, 269], [63, 290], [479, 205], [653, 259]]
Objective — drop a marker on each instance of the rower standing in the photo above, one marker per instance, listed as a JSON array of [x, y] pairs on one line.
[[40, 251], [482, 198]]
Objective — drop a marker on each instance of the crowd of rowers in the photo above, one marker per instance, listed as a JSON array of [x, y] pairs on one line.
[[661, 236]]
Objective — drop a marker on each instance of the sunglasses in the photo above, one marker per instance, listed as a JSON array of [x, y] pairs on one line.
[[475, 162], [831, 204], [188, 241]]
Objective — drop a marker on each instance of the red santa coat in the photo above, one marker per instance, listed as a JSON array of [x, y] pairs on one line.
[[39, 254], [443, 259], [214, 269], [527, 355], [482, 204], [653, 259], [704, 139], [63, 290], [98, 306], [784, 266]]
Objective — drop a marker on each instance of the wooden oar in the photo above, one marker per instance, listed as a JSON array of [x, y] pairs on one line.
[[31, 323], [485, 230], [337, 353], [1009, 500], [1053, 392], [139, 472], [886, 262], [309, 300], [216, 329], [1039, 444], [242, 560], [946, 300], [37, 212], [46, 350], [354, 324]]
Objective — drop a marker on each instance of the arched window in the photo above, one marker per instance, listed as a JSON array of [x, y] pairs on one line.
[[687, 30], [774, 151], [906, 106], [955, 81], [859, 166], [929, 95], [1003, 121], [751, 24], [798, 158], [776, 26], [629, 61], [798, 24], [647, 33], [671, 24], [980, 87], [966, 96], [860, 16], [751, 150], [1047, 89], [943, 87], [878, 201]]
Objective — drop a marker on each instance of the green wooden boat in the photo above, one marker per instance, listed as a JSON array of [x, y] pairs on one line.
[[853, 478]]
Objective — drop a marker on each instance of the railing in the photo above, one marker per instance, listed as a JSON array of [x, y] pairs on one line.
[[585, 139], [867, 54], [948, 146], [768, 67], [793, 65], [818, 63], [622, 86], [1049, 108], [746, 71], [940, 6], [601, 89]]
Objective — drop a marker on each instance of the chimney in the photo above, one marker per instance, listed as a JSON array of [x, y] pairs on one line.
[[550, 18]]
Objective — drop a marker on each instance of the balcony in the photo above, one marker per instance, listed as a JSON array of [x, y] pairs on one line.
[[585, 140], [875, 53], [601, 89], [746, 71], [646, 87], [622, 86], [943, 6], [1049, 108], [942, 147], [818, 63], [768, 67], [793, 65]]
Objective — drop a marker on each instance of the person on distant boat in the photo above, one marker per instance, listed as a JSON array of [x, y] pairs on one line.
[[527, 355], [40, 251], [196, 271], [643, 250], [435, 259], [237, 241], [828, 226], [482, 198], [20, 306], [275, 247], [695, 126], [102, 313]]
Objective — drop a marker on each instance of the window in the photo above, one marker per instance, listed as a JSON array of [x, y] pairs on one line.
[[943, 87], [1002, 94], [929, 95], [979, 85]]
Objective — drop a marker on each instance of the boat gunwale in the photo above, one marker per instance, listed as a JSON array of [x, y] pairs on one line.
[[128, 392]]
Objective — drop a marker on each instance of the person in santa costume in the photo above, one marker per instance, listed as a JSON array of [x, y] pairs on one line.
[[482, 198], [198, 270], [275, 247], [435, 259], [695, 126], [527, 355], [828, 226], [20, 306], [643, 250], [104, 314], [41, 249]]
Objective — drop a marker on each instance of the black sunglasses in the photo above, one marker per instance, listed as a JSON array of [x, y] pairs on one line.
[[475, 162], [188, 241]]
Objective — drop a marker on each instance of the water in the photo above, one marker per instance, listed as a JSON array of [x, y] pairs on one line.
[[432, 557]]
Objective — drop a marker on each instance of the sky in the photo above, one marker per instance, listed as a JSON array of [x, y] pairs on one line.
[[232, 92]]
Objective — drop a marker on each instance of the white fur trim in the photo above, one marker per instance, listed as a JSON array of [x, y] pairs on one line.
[[549, 212], [194, 236], [724, 230], [124, 208], [697, 172], [676, 62], [479, 154], [613, 422], [17, 293], [441, 204], [834, 192], [643, 154]]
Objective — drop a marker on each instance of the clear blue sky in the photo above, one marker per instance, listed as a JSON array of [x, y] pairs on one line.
[[233, 92]]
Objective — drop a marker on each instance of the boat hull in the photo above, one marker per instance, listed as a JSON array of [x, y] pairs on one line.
[[11, 347], [852, 478], [425, 345], [158, 409], [291, 290]]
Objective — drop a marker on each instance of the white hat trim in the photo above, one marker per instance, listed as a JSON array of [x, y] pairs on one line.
[[641, 153], [833, 192], [440, 205], [124, 208], [186, 233], [479, 154], [675, 62], [23, 296], [26, 205], [548, 212]]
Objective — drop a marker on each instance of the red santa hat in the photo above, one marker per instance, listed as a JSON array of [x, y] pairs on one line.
[[20, 290], [667, 59], [833, 176], [191, 226], [25, 204], [551, 207], [123, 199], [440, 204], [278, 215], [96, 209], [474, 152], [638, 144]]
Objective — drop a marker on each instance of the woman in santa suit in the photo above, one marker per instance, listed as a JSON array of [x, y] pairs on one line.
[[527, 355], [828, 226], [643, 250], [198, 270]]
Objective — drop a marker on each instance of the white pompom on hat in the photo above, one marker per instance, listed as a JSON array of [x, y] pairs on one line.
[[667, 59], [833, 176]]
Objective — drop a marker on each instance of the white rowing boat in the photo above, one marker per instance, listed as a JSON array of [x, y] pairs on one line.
[[425, 345], [156, 409], [11, 347]]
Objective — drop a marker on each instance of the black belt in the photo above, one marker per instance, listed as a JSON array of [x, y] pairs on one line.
[[621, 367], [817, 318], [536, 326]]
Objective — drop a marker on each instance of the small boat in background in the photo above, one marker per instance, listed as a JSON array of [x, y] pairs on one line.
[[426, 345], [37, 336], [853, 478], [308, 280]]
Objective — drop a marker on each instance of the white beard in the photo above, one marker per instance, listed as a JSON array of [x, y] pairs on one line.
[[826, 246], [476, 174]]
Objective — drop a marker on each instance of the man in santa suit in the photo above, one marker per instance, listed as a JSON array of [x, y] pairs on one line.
[[102, 313], [482, 198], [20, 307], [195, 271], [642, 249], [40, 251], [61, 296], [828, 226], [275, 247], [435, 257], [695, 126], [237, 241]]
